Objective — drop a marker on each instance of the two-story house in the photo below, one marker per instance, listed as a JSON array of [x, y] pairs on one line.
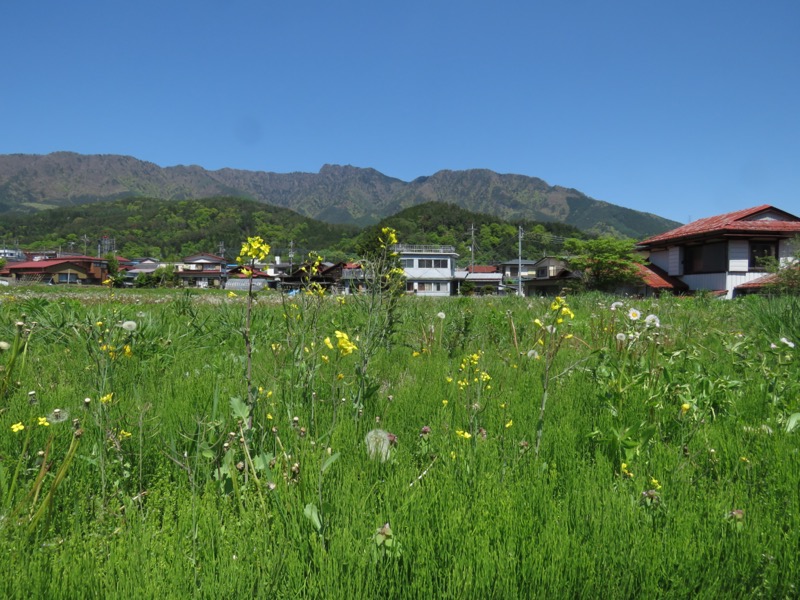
[[429, 270], [202, 270], [724, 252]]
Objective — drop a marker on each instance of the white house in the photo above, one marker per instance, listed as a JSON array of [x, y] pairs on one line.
[[429, 270], [722, 253]]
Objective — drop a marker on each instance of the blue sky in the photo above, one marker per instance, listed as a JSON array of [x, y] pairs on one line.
[[685, 109]]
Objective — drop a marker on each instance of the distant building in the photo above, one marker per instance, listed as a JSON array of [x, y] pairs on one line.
[[429, 270]]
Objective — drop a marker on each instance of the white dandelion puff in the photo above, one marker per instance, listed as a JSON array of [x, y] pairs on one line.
[[616, 305], [129, 325], [787, 342], [652, 321]]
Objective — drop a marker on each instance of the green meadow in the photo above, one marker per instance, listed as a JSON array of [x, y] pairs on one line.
[[174, 444]]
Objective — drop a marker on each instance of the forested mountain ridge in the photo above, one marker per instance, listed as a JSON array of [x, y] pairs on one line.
[[172, 229], [337, 194]]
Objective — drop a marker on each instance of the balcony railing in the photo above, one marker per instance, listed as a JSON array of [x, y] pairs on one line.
[[422, 249]]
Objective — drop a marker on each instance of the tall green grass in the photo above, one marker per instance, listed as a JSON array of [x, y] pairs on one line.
[[666, 468]]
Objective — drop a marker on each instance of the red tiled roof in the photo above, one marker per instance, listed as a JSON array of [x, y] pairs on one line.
[[483, 269], [42, 264], [658, 279], [758, 283], [734, 222]]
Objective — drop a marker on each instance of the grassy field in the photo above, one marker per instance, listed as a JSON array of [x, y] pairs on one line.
[[170, 444]]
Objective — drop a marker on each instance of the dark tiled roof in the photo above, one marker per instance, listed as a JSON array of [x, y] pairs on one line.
[[739, 221]]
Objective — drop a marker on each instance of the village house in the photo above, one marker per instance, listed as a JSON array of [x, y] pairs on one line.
[[202, 270], [72, 269], [725, 253], [429, 270]]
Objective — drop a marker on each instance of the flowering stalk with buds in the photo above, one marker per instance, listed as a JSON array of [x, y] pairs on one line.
[[254, 249]]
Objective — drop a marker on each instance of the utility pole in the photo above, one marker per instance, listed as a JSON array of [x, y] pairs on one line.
[[291, 256], [519, 264], [472, 249]]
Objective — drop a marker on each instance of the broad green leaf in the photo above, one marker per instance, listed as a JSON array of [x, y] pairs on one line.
[[239, 409]]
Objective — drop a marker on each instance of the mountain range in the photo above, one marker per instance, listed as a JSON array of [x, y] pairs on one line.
[[336, 194]]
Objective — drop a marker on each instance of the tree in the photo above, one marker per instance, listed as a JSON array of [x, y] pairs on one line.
[[606, 262], [786, 278]]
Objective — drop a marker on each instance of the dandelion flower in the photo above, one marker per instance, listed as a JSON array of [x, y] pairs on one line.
[[129, 325], [17, 427], [685, 408], [652, 321], [634, 314]]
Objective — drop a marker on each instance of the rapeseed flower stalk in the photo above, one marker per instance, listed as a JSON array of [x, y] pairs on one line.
[[255, 249], [550, 338]]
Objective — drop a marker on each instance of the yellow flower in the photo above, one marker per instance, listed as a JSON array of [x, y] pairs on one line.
[[685, 408], [463, 434], [254, 249], [44, 422], [324, 358], [127, 351], [231, 294], [448, 379], [744, 459], [340, 300], [415, 354], [17, 427], [655, 483], [122, 434], [340, 376], [453, 455], [99, 323], [444, 402], [345, 345], [538, 322], [269, 417], [510, 423], [107, 398]]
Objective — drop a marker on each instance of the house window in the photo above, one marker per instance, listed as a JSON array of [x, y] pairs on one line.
[[433, 263], [760, 253], [709, 258], [67, 278], [407, 263], [541, 273]]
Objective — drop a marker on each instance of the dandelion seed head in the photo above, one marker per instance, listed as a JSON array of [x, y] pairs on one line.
[[621, 337], [4, 346], [652, 321], [441, 315], [129, 325], [616, 305]]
